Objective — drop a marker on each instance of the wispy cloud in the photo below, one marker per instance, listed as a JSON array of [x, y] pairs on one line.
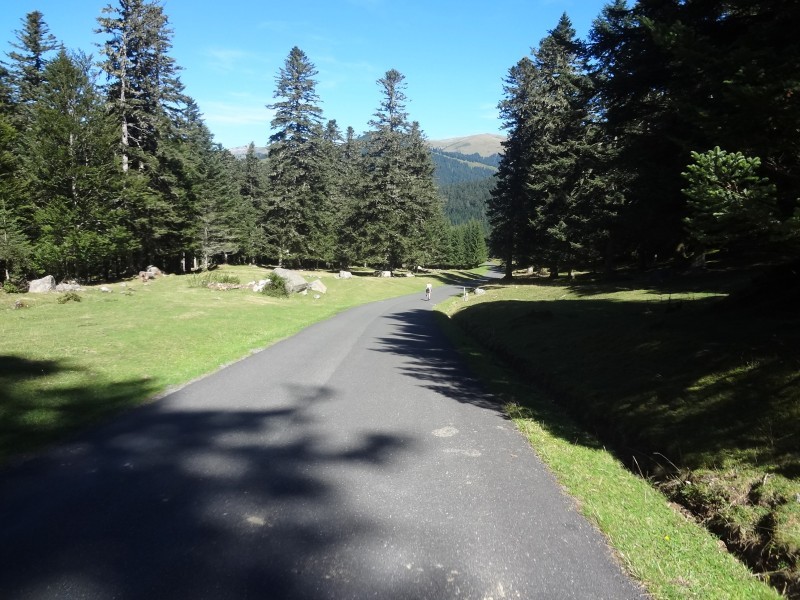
[[228, 59], [247, 111]]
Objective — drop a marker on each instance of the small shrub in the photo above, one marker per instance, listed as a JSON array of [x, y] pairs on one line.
[[67, 297], [9, 287], [276, 286]]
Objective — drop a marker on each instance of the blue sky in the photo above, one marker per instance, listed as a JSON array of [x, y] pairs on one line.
[[454, 54]]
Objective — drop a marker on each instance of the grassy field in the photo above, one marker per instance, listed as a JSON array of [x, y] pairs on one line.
[[693, 392], [63, 366]]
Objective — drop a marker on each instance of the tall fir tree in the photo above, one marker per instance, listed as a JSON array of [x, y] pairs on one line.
[[298, 195], [72, 174], [253, 192], [33, 49], [399, 202], [146, 99], [508, 209], [564, 151]]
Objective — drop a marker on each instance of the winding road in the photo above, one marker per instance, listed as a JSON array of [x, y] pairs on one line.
[[357, 459]]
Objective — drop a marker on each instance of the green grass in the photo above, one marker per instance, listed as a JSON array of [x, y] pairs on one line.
[[64, 366], [703, 401]]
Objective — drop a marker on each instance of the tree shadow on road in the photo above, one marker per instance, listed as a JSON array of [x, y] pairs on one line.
[[172, 502], [432, 359]]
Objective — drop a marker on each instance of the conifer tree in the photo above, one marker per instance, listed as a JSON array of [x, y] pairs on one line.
[[298, 192], [399, 198], [253, 190], [144, 89], [508, 207], [563, 151], [146, 100], [33, 49], [72, 174]]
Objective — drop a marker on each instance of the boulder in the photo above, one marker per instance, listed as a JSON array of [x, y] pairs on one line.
[[260, 285], [480, 291], [318, 286], [69, 286], [154, 272], [43, 285], [345, 275], [386, 273], [294, 281]]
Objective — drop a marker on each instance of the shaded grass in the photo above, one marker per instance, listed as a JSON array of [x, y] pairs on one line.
[[703, 400], [66, 366]]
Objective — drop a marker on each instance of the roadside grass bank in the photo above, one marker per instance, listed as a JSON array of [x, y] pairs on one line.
[[689, 392], [70, 360]]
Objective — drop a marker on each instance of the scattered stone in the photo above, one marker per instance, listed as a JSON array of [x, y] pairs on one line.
[[105, 290], [480, 291], [318, 286], [223, 287], [294, 281], [154, 272], [42, 286], [69, 286], [386, 273], [262, 283], [345, 275], [20, 304], [316, 296]]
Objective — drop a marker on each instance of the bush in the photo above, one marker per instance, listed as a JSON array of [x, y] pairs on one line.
[[68, 296], [276, 286], [9, 287]]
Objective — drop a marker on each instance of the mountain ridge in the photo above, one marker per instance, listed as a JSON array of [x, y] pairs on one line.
[[482, 144]]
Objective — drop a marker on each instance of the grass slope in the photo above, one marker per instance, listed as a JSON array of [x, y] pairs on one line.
[[702, 400]]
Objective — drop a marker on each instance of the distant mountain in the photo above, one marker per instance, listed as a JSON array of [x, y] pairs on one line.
[[241, 151], [482, 144]]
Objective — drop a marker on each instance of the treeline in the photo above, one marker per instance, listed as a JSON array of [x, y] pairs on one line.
[[107, 167], [668, 134]]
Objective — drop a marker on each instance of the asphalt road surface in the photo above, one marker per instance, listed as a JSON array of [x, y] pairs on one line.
[[357, 459]]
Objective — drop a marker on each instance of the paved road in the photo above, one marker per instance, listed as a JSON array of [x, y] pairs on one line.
[[354, 460]]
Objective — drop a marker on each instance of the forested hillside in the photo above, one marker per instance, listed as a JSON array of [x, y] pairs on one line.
[[465, 183]]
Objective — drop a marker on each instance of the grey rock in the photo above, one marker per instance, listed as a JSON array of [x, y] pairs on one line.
[[42, 286], [294, 281]]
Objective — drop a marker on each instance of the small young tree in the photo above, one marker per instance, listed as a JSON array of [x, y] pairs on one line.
[[728, 201]]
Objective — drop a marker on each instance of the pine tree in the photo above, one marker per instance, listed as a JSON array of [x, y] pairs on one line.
[[146, 100], [15, 248], [728, 201], [352, 183], [394, 218], [509, 205], [296, 204], [253, 191], [34, 46], [72, 174], [563, 151], [144, 89]]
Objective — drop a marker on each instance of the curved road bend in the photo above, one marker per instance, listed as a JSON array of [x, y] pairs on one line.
[[356, 459]]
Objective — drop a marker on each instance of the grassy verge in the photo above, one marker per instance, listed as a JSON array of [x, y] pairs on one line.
[[683, 392], [68, 361]]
